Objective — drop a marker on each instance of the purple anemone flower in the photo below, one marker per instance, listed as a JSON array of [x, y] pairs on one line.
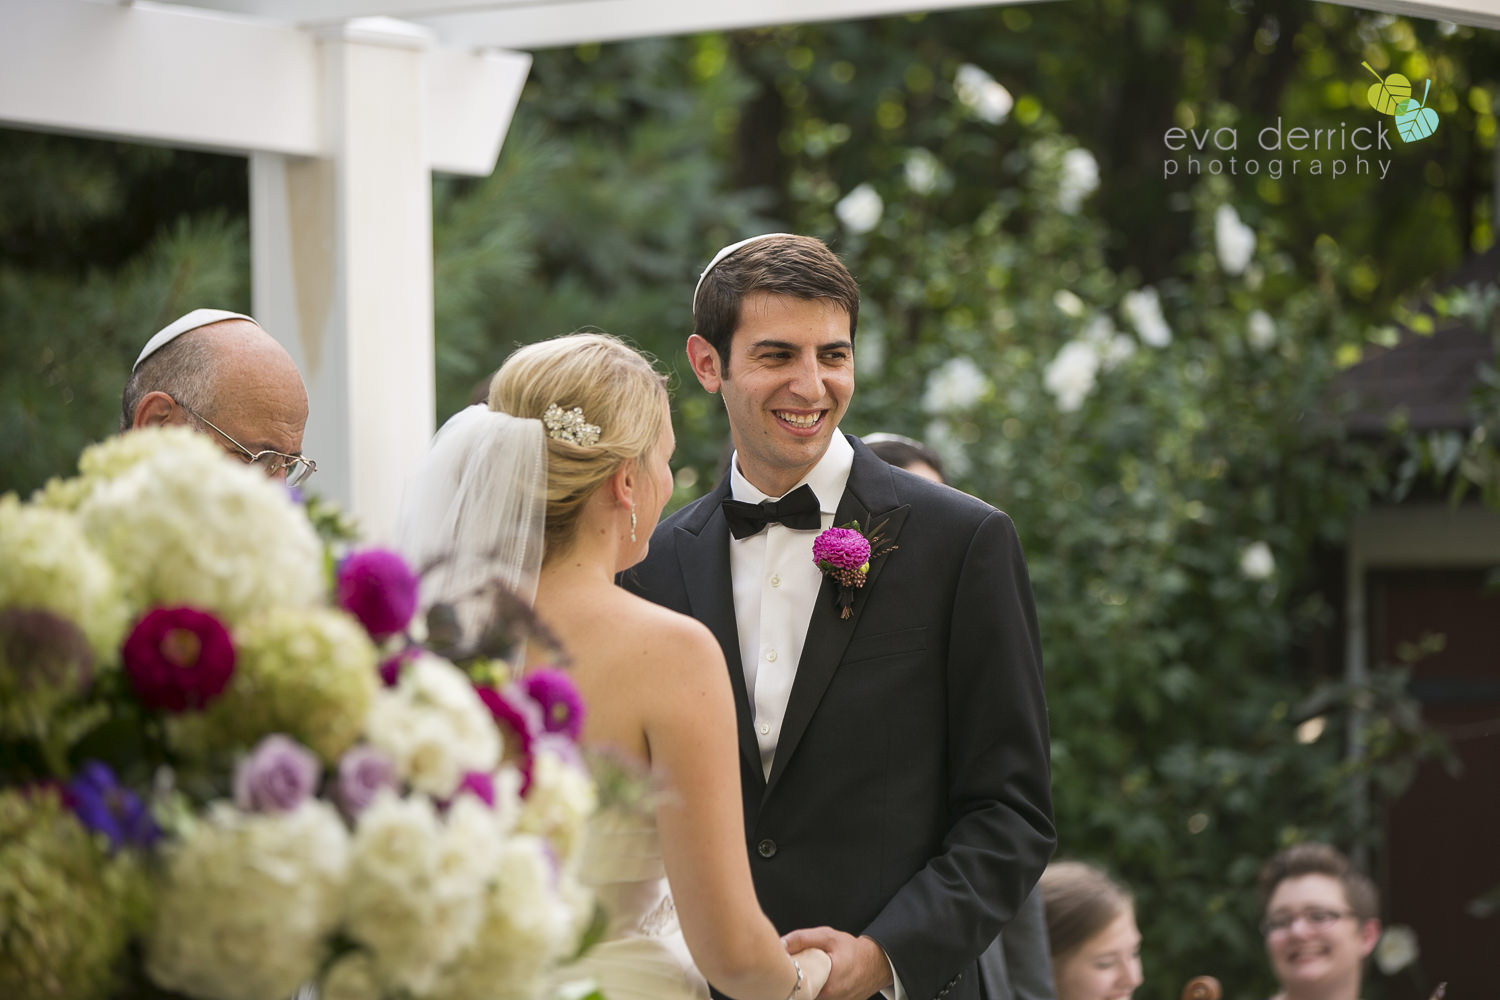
[[105, 806]]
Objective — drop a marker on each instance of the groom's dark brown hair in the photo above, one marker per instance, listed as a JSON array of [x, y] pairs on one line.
[[799, 266]]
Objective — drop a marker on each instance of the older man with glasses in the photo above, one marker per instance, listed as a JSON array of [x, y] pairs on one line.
[[220, 373]]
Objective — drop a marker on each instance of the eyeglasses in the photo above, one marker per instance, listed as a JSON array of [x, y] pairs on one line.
[[1280, 923], [296, 468]]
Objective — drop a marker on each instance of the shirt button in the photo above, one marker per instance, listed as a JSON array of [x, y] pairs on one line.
[[770, 656], [775, 579], [766, 848], [765, 730]]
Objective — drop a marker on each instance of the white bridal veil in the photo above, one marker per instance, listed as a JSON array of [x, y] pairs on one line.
[[473, 510]]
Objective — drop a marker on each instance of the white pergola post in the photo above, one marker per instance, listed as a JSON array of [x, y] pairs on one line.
[[342, 251]]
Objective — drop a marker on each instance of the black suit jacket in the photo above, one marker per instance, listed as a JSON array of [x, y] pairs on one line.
[[910, 795]]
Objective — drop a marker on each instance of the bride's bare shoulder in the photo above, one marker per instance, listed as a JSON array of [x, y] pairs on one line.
[[654, 634]]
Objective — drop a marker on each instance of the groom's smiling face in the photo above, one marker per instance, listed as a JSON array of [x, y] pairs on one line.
[[786, 382]]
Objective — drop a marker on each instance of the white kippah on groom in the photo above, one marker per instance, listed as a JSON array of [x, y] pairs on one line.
[[192, 321]]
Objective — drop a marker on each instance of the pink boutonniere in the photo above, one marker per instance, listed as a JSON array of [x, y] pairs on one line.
[[845, 555]]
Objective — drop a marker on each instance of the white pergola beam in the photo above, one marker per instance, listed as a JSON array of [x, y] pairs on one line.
[[547, 25], [533, 24], [1479, 13], [167, 75], [205, 80]]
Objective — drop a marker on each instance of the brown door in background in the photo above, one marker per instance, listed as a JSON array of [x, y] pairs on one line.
[[1443, 835]]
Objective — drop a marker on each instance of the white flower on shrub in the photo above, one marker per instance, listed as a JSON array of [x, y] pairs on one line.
[[955, 385], [1114, 348], [1396, 949], [1080, 178], [1233, 240], [1071, 375], [1143, 309], [1260, 330], [922, 171], [1068, 303], [860, 210], [939, 436], [1256, 561], [982, 94]]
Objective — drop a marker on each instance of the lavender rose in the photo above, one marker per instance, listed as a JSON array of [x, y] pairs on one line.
[[278, 776], [362, 772]]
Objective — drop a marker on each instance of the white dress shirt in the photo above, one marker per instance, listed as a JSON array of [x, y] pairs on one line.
[[776, 584]]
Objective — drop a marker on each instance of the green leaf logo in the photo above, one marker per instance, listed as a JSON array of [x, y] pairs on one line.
[[1415, 121], [1387, 95]]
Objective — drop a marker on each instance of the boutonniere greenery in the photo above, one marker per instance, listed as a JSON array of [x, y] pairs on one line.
[[845, 555]]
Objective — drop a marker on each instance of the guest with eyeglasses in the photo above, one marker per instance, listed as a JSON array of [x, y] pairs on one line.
[[1320, 922], [220, 373]]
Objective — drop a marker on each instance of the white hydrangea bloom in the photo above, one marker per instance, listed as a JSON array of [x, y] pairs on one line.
[[246, 901], [982, 94], [1071, 375], [1080, 178], [49, 564], [184, 525], [530, 922], [954, 385], [434, 727], [1233, 240], [1260, 330], [922, 171], [561, 799], [1143, 309], [860, 210], [393, 906], [1257, 562]]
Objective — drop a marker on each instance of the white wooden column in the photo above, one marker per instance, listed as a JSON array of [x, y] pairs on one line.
[[342, 250]]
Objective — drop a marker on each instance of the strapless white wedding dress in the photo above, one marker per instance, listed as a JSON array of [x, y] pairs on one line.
[[642, 955]]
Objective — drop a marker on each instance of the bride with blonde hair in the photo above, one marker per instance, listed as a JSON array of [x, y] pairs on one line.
[[557, 483]]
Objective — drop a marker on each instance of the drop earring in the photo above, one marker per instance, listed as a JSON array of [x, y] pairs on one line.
[[632, 522]]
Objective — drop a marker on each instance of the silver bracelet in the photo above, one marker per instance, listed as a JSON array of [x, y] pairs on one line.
[[797, 986]]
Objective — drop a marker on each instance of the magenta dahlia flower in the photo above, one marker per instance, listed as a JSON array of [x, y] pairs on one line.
[[178, 659], [841, 549], [561, 704], [377, 587]]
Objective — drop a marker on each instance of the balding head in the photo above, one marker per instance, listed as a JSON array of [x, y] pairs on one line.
[[230, 372]]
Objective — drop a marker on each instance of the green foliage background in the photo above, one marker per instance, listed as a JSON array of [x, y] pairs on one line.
[[1176, 678]]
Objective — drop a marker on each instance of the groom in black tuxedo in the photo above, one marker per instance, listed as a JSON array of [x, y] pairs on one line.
[[894, 762]]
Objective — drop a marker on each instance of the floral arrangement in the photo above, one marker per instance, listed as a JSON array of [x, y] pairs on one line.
[[844, 554], [230, 770]]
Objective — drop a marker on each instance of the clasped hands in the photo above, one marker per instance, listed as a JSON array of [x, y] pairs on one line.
[[838, 966]]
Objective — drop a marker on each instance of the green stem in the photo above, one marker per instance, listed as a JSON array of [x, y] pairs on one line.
[[1372, 72]]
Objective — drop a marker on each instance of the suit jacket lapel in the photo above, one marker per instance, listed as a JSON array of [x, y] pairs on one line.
[[703, 554], [870, 499]]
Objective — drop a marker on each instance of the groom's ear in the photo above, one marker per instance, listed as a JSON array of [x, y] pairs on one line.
[[705, 362]]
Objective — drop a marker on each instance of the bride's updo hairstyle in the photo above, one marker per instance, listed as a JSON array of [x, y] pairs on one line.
[[618, 391]]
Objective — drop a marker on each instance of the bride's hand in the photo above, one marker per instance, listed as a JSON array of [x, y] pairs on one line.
[[816, 965]]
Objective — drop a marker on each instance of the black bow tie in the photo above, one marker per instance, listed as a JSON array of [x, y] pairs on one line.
[[798, 509]]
